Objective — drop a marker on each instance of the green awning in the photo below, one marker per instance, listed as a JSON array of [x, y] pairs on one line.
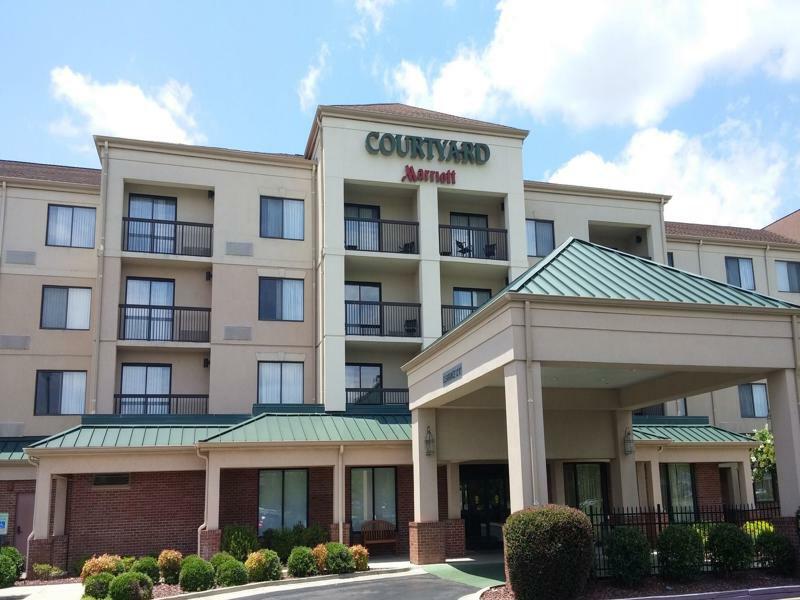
[[686, 434], [11, 447], [129, 436]]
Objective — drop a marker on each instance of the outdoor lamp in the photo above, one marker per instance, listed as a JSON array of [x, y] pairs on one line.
[[430, 443], [627, 444]]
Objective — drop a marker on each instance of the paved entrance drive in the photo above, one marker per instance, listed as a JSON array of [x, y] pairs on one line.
[[425, 586]]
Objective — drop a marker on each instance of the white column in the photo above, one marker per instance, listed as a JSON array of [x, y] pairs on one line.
[[517, 240], [333, 340], [60, 508], [338, 493], [41, 504], [453, 491], [782, 387], [623, 466], [527, 468], [430, 284], [557, 494], [212, 494], [426, 497], [654, 483]]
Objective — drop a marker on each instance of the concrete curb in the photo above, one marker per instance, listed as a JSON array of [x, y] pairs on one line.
[[477, 595], [281, 582], [770, 593]]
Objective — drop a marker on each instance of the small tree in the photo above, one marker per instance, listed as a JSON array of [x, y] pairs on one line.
[[762, 457]]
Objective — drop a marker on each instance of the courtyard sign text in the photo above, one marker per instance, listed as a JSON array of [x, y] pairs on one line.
[[414, 146]]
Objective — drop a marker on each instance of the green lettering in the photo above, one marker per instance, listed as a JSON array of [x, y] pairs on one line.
[[416, 148], [482, 154], [398, 142], [453, 153], [386, 148], [440, 145], [429, 145], [467, 152], [372, 135]]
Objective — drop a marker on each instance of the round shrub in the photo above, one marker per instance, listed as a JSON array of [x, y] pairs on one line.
[[548, 552], [320, 553], [8, 571], [219, 558], [105, 563], [197, 575], [263, 565], [340, 559], [680, 552], [776, 553], [628, 553], [360, 557], [97, 586], [301, 562], [756, 528], [14, 554], [731, 548], [231, 572], [169, 563], [131, 586], [127, 562], [149, 566], [239, 540]]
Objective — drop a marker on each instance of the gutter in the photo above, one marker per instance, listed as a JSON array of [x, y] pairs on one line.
[[35, 462], [4, 202], [101, 250], [202, 527]]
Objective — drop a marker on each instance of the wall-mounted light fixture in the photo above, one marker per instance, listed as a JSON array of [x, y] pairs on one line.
[[430, 443], [627, 443]]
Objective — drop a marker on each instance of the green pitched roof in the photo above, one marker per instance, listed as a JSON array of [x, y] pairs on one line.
[[318, 428], [129, 436], [11, 447], [686, 434]]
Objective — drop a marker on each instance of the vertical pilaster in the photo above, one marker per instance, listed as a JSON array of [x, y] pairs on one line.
[[212, 494], [41, 504], [623, 466], [745, 479], [653, 471], [60, 507], [782, 386], [430, 286], [426, 497], [453, 491]]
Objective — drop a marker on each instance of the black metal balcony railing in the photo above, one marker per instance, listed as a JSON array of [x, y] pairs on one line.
[[160, 404], [473, 242], [453, 315], [387, 319], [378, 235], [393, 396], [164, 323], [166, 237]]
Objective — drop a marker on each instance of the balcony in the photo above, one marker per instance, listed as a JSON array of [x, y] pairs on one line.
[[166, 237], [160, 404], [473, 242], [379, 235], [384, 319], [377, 396], [164, 323], [453, 315]]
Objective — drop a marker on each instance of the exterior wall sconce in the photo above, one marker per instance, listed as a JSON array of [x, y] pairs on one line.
[[627, 444], [430, 443]]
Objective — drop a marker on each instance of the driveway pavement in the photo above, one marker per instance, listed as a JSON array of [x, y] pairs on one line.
[[424, 586]]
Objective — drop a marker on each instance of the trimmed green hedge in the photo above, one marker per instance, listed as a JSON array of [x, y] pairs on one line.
[[231, 572], [131, 586], [301, 562], [149, 566], [628, 554], [196, 575], [731, 549], [776, 552], [340, 559], [8, 571], [263, 565], [96, 586], [239, 540], [680, 552]]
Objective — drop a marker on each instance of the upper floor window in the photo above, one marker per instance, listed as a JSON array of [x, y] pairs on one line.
[[65, 307], [281, 218], [671, 259], [681, 409], [71, 226], [788, 276], [541, 237], [60, 392], [280, 299], [280, 383], [753, 400], [739, 272]]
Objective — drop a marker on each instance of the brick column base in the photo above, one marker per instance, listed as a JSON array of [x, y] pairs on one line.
[[210, 542], [52, 551], [788, 527], [426, 542], [455, 545], [334, 533]]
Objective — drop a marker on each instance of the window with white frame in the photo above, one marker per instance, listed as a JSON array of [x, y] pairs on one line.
[[60, 393], [671, 259], [71, 226], [280, 299], [282, 499], [281, 218], [65, 307], [739, 272], [753, 400], [541, 237], [372, 495], [764, 488], [280, 382], [788, 276]]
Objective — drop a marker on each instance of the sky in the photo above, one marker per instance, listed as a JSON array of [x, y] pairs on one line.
[[699, 100]]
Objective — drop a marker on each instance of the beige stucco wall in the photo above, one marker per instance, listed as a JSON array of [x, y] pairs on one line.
[[392, 360], [189, 376], [191, 287], [192, 204]]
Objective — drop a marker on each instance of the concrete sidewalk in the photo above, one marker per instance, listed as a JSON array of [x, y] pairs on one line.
[[56, 591]]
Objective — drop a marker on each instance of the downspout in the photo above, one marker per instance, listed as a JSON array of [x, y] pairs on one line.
[[200, 529], [663, 232], [529, 388], [340, 500], [796, 345], [4, 196], [766, 269], [100, 270], [35, 462]]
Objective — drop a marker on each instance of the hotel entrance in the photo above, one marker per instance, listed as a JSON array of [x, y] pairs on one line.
[[484, 504]]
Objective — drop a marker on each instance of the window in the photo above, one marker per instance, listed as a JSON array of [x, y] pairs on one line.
[[149, 312], [280, 383], [65, 307], [362, 308], [740, 272], [753, 400], [362, 231], [111, 479], [764, 490], [145, 389], [541, 237], [281, 218], [680, 406], [151, 227], [60, 393], [71, 226], [363, 383], [677, 490], [656, 410], [788, 276], [282, 499], [471, 297], [372, 495], [280, 299], [586, 486], [671, 259]]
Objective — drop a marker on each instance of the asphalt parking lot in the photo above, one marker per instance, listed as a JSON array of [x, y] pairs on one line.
[[424, 586]]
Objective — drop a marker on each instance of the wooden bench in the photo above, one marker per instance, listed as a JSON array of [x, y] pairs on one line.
[[375, 533]]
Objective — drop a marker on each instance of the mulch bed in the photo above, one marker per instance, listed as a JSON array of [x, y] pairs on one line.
[[24, 582], [606, 590], [162, 590]]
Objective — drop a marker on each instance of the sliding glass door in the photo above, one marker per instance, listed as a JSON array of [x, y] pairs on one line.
[[150, 309]]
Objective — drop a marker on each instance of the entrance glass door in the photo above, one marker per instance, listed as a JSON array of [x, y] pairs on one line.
[[484, 504]]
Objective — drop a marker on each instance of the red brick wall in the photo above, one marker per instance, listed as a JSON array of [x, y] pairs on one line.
[[157, 511], [441, 482], [707, 484], [8, 502], [320, 496]]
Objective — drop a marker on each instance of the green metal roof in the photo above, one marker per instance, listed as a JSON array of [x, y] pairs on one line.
[[686, 434], [129, 436], [318, 428], [11, 447]]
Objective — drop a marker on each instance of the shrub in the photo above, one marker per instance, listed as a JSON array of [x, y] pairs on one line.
[[96, 586], [548, 551], [196, 575], [283, 540], [105, 563], [301, 562], [628, 553], [776, 552], [127, 562], [239, 540], [320, 553], [263, 565], [76, 564], [149, 566], [312, 535], [231, 572], [131, 586], [46, 571], [731, 548], [219, 558], [756, 528], [680, 552], [340, 559], [8, 571], [14, 554], [360, 557], [169, 563]]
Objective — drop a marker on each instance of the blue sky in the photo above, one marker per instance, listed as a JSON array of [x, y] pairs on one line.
[[697, 100]]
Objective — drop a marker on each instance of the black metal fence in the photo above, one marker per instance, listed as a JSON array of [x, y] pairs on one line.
[[473, 242], [652, 521], [372, 396], [453, 315], [380, 235], [160, 404], [166, 237], [164, 323], [385, 319]]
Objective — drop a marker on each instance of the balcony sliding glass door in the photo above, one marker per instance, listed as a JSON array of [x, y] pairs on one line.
[[149, 309], [145, 389], [362, 308], [362, 227], [155, 232]]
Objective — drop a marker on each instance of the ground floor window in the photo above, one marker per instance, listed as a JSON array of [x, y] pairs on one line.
[[586, 486], [373, 495], [677, 490], [282, 499], [764, 489]]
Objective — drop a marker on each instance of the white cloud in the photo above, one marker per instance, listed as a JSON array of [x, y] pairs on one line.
[[308, 88], [726, 177], [123, 109], [370, 14], [622, 62]]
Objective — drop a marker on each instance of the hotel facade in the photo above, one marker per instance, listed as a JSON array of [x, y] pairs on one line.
[[392, 330]]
